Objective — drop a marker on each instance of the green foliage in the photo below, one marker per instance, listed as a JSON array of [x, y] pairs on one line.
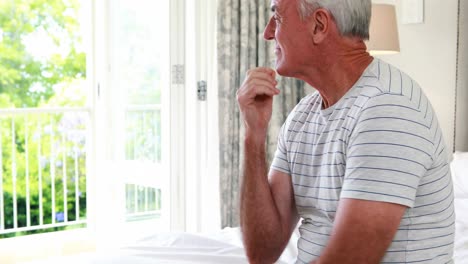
[[47, 150], [28, 79]]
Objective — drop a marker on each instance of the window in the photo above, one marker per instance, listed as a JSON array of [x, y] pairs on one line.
[[95, 99], [139, 93], [48, 146]]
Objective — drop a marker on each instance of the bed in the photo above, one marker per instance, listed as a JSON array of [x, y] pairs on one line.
[[225, 246], [459, 168]]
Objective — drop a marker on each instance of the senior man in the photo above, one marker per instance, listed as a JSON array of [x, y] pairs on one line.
[[362, 161]]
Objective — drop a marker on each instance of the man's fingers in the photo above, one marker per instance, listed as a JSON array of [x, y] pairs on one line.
[[260, 76], [249, 94], [251, 85], [269, 71], [260, 82]]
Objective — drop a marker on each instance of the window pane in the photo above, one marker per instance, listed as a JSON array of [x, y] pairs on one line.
[[141, 51], [143, 135], [141, 65], [140, 76]]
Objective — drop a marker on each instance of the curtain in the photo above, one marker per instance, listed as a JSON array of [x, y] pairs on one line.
[[240, 47], [461, 109]]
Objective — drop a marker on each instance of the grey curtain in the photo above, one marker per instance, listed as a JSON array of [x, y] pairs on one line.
[[240, 47], [461, 122]]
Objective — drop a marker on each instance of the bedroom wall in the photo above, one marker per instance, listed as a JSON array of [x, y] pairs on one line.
[[428, 54]]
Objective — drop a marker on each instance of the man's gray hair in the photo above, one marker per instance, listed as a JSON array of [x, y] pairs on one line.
[[351, 16]]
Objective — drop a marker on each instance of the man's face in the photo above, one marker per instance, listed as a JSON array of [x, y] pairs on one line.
[[293, 45]]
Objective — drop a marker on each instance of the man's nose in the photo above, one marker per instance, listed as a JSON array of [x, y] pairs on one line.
[[269, 32]]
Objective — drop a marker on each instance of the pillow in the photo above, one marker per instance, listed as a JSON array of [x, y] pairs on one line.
[[459, 168]]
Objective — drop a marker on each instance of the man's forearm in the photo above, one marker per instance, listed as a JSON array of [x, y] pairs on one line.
[[362, 232], [260, 220]]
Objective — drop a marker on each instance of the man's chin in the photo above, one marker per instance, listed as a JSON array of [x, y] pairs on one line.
[[281, 70]]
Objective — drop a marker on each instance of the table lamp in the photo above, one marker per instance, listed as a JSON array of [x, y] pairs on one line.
[[383, 31]]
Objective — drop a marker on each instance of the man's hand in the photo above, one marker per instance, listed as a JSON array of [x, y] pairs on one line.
[[255, 98]]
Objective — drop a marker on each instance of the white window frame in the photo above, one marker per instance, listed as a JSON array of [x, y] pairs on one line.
[[202, 141], [177, 118]]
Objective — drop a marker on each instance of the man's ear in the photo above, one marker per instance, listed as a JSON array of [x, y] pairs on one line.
[[320, 22]]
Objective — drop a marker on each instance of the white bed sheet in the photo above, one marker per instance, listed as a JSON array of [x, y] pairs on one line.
[[461, 231], [459, 168], [224, 246]]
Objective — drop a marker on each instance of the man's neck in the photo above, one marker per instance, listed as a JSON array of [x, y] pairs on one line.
[[338, 71], [340, 78]]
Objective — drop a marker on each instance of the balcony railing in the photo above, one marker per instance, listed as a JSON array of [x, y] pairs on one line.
[[43, 161], [143, 133], [143, 144], [43, 154]]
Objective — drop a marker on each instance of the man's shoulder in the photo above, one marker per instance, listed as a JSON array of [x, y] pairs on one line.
[[384, 79]]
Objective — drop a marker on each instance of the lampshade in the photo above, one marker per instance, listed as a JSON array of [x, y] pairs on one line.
[[383, 31]]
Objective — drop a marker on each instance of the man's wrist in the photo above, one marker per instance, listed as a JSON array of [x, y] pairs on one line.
[[255, 138]]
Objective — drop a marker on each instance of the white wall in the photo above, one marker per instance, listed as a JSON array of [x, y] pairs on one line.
[[428, 54]]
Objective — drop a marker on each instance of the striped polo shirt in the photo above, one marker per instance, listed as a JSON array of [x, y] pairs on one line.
[[382, 142]]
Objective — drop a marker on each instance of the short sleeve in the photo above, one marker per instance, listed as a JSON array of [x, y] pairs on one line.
[[280, 160], [389, 151]]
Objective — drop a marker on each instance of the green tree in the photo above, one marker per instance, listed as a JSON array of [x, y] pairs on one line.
[[28, 79]]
